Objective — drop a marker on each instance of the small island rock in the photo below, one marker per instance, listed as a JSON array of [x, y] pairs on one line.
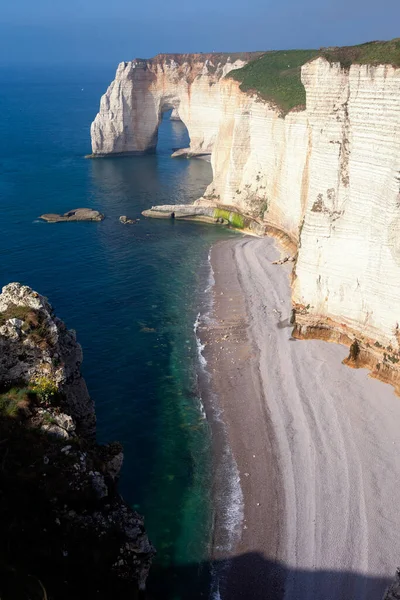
[[78, 214], [126, 221]]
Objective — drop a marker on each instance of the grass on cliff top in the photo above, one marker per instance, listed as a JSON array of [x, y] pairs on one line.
[[276, 76], [371, 53], [33, 323]]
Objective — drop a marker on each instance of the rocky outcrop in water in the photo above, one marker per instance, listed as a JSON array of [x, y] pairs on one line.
[[126, 220], [78, 214], [175, 115], [65, 529]]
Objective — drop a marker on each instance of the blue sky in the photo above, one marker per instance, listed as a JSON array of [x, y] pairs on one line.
[[109, 31]]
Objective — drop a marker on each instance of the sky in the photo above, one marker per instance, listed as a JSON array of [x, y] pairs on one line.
[[106, 32]]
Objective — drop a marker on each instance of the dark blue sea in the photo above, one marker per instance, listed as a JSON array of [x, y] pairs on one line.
[[132, 293]]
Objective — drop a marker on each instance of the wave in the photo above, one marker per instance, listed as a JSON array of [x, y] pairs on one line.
[[200, 346], [211, 279], [228, 496]]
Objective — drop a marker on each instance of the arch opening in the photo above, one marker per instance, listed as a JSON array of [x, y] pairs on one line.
[[172, 134]]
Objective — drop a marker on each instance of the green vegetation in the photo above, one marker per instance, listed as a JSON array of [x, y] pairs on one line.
[[263, 209], [371, 53], [34, 324], [276, 76], [44, 387], [24, 313], [14, 400], [233, 218]]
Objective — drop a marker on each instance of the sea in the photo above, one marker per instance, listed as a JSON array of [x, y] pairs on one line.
[[133, 294]]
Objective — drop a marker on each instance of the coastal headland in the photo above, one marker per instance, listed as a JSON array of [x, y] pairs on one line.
[[315, 443], [302, 142]]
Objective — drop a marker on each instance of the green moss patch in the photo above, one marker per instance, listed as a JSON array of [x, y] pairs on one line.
[[15, 401], [235, 219]]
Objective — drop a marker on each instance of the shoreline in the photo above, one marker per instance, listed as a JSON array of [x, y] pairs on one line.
[[317, 471]]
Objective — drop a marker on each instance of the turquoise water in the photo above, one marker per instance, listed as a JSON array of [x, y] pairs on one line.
[[131, 292]]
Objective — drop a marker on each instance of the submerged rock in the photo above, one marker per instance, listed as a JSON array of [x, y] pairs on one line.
[[188, 153], [62, 520], [78, 214], [126, 221], [174, 115]]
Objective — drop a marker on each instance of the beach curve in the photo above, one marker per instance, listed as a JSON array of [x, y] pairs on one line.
[[315, 443]]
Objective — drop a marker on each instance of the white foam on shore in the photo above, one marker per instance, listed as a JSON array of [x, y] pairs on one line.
[[200, 346], [231, 519], [229, 495], [211, 278]]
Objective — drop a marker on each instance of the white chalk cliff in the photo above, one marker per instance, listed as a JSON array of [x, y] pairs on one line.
[[131, 109], [328, 175]]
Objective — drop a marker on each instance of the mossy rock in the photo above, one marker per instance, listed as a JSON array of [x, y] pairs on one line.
[[233, 218]]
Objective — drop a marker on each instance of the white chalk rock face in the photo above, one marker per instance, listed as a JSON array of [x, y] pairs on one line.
[[260, 159], [132, 108], [348, 267]]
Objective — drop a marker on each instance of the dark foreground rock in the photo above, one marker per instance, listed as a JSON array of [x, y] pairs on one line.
[[65, 530], [393, 591], [78, 214]]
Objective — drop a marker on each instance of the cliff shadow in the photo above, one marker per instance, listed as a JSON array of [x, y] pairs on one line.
[[251, 576]]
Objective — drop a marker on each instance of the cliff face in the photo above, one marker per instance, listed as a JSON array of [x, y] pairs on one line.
[[327, 174], [348, 267], [259, 160], [329, 177], [64, 525], [131, 109]]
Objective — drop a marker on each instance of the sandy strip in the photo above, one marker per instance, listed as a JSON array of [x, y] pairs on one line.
[[317, 444]]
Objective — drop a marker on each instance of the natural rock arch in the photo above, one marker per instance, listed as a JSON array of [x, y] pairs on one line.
[[131, 109]]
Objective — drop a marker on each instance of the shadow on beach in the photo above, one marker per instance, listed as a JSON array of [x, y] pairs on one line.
[[253, 577]]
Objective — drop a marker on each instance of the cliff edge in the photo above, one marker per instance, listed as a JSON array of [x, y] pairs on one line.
[[66, 532]]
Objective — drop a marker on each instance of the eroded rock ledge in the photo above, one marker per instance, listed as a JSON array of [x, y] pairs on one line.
[[78, 214], [64, 526]]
